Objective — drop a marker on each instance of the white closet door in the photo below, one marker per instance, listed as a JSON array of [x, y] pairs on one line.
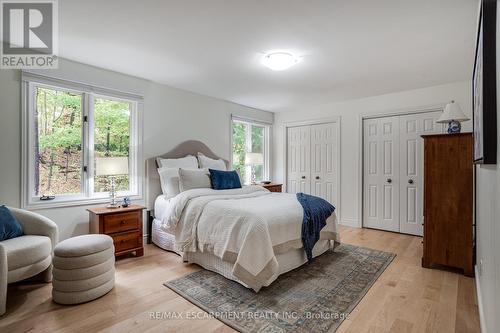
[[324, 161], [298, 159], [411, 166], [381, 173]]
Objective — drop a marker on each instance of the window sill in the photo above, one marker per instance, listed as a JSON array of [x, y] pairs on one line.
[[38, 205]]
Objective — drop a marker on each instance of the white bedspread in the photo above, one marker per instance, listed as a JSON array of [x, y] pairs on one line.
[[162, 207], [246, 226]]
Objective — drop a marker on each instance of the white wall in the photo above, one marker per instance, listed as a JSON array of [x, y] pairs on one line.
[[488, 228], [350, 113], [170, 117]]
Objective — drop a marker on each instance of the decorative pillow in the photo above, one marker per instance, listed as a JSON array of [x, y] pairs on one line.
[[224, 180], [9, 225], [188, 162], [190, 179], [169, 180], [210, 163]]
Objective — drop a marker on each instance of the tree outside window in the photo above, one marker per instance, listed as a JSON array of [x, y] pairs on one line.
[[58, 142]]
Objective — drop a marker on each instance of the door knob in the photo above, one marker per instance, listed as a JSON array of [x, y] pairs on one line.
[[317, 177], [389, 180], [410, 181], [303, 177]]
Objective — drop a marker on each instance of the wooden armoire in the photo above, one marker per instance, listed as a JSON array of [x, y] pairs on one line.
[[448, 201]]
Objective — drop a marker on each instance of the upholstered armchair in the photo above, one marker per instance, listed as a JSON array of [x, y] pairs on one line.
[[28, 255]]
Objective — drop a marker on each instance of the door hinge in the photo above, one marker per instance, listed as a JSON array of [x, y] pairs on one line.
[[85, 168], [85, 119]]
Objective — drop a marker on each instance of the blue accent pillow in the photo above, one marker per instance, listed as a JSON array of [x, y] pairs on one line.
[[9, 226], [224, 180]]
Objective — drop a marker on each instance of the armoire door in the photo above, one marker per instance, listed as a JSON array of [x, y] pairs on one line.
[[323, 161], [298, 159], [411, 168], [381, 173]]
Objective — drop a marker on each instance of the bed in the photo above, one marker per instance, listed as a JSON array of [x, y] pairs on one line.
[[248, 235]]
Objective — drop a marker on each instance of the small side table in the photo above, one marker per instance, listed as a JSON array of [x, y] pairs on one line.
[[273, 187], [123, 224]]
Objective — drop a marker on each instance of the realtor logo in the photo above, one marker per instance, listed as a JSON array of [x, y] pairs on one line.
[[29, 34]]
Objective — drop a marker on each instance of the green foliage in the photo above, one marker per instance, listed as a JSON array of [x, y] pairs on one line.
[[257, 139], [59, 119], [111, 117]]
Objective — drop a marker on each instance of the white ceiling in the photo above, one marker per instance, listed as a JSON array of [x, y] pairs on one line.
[[350, 48]]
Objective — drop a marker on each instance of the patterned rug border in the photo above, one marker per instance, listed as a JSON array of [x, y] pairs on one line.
[[242, 329]]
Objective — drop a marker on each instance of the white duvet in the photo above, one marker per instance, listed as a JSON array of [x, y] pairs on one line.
[[247, 227]]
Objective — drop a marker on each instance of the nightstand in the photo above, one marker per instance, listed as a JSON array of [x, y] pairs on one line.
[[124, 225], [273, 187]]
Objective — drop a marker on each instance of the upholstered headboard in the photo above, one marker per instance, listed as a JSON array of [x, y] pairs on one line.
[[191, 147]]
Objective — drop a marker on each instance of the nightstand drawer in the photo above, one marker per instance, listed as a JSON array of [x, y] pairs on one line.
[[127, 241], [121, 222]]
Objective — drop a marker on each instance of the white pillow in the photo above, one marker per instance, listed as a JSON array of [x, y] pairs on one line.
[[169, 180], [210, 163], [188, 162], [190, 179]]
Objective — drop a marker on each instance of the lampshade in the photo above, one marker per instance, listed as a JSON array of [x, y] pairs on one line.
[[452, 111], [254, 159], [111, 166]]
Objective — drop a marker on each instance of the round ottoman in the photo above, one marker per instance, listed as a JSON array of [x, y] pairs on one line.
[[83, 269]]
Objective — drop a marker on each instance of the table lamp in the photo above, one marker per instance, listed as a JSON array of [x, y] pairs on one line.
[[452, 115], [111, 167], [254, 159]]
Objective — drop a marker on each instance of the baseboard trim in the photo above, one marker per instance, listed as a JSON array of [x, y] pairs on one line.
[[350, 222], [479, 301]]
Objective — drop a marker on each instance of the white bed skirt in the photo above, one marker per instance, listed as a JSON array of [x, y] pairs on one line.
[[161, 238], [287, 261]]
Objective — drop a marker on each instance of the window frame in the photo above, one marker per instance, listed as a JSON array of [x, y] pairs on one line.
[[30, 82], [267, 143]]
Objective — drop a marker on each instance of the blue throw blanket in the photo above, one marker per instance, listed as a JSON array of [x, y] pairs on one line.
[[316, 211]]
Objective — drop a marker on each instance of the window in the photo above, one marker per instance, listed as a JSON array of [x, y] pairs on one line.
[[250, 150], [111, 138], [67, 129]]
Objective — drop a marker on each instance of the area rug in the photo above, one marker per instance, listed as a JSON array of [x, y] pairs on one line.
[[315, 297]]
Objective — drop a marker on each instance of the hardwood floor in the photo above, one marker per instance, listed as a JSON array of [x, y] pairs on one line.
[[406, 298]]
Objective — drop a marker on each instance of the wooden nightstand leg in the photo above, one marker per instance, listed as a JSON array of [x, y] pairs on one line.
[[139, 253]]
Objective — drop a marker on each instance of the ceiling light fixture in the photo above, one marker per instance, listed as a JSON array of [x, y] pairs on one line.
[[279, 61]]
